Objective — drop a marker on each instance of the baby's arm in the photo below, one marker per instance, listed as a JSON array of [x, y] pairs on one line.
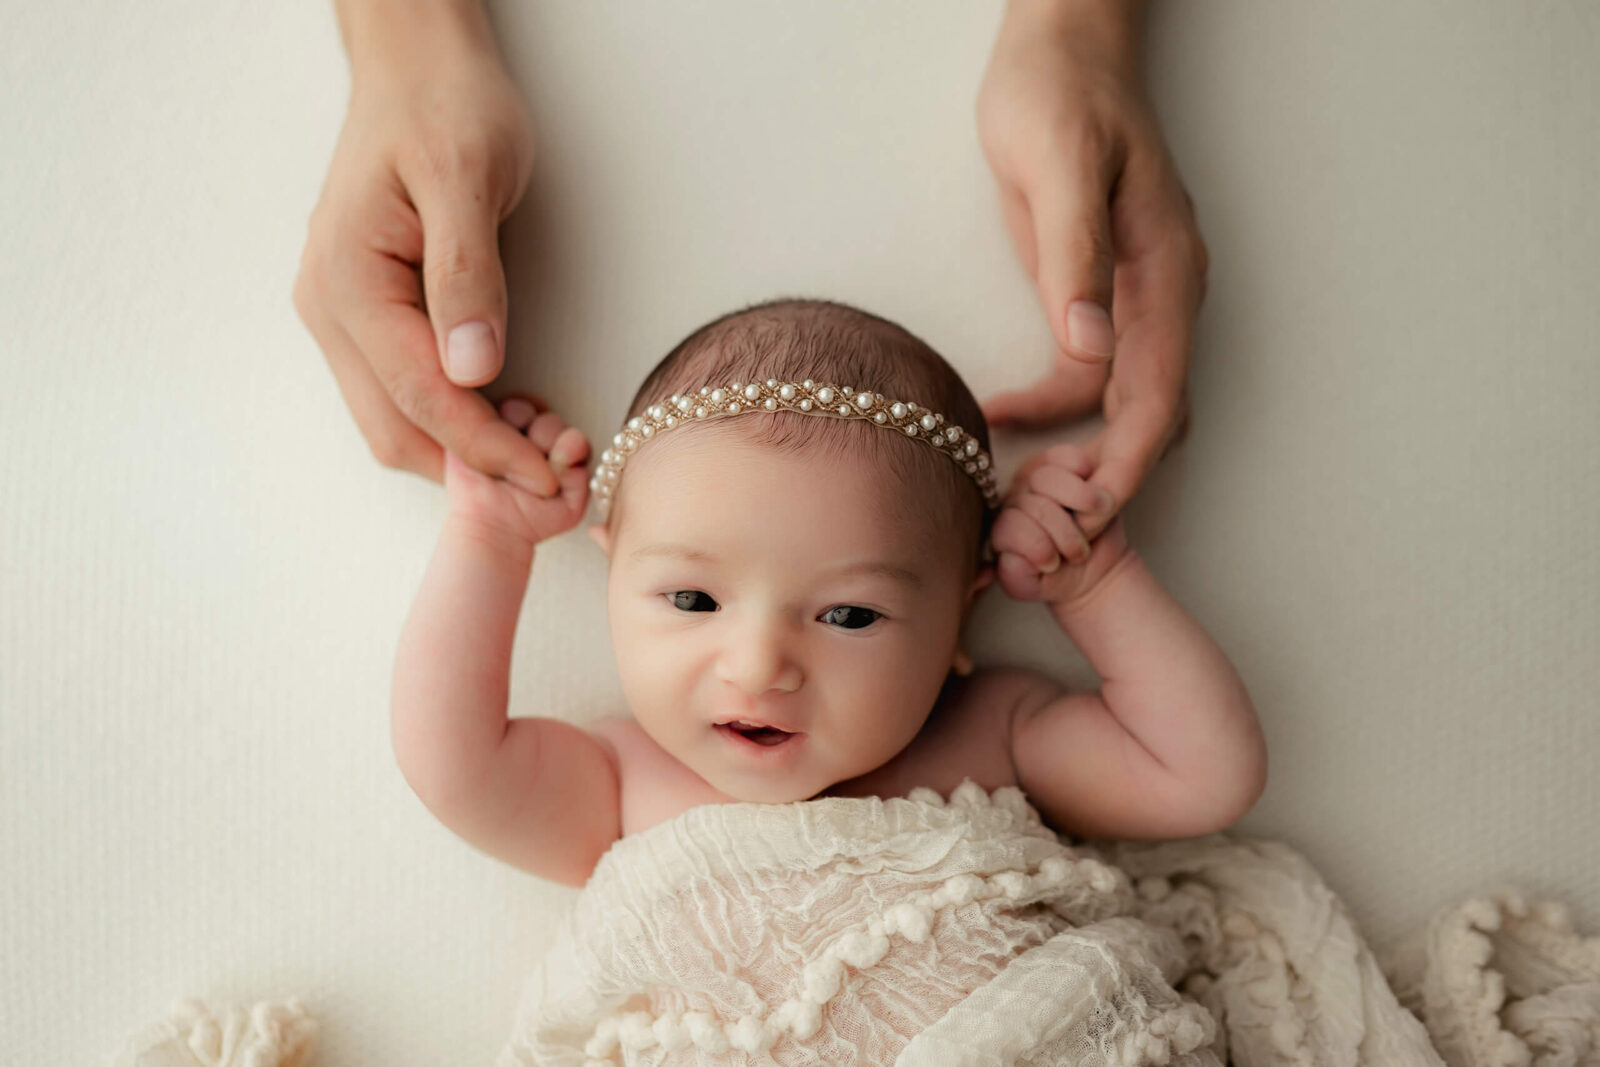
[[1170, 746], [540, 794]]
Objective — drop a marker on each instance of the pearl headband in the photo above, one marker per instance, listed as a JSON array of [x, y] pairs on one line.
[[805, 398]]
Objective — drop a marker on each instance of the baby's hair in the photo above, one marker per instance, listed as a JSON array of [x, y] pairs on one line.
[[795, 339]]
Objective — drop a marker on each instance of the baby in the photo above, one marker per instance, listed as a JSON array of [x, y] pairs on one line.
[[786, 598], [798, 516]]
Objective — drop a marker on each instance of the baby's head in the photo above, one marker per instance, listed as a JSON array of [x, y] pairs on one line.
[[808, 572]]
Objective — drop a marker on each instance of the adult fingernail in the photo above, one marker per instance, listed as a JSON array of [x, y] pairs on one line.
[[1089, 329], [470, 351]]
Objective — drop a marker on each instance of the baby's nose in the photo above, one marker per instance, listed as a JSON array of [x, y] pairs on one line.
[[759, 657]]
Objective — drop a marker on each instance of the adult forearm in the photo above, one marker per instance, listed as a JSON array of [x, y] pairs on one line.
[[1169, 684], [383, 36], [453, 663], [1115, 27]]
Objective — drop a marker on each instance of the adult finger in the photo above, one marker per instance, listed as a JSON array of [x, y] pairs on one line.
[[393, 439], [463, 278], [400, 343], [1128, 448], [1072, 219], [1144, 401], [1072, 388]]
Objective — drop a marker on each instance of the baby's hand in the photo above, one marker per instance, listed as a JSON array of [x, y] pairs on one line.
[[512, 505], [1041, 552]]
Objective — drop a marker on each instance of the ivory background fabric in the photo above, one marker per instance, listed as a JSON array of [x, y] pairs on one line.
[[1385, 509]]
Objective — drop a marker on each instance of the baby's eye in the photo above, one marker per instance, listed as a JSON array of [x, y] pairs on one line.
[[850, 618], [691, 600]]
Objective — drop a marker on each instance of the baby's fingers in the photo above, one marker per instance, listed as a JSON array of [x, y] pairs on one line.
[[1018, 533], [1068, 489], [1065, 537], [571, 448], [1018, 577]]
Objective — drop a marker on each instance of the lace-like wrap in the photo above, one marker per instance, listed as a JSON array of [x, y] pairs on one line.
[[921, 932]]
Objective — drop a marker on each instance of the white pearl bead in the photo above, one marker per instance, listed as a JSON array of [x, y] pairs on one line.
[[825, 395], [864, 400], [805, 405], [733, 408], [771, 404], [657, 412], [699, 413], [844, 409], [928, 422], [983, 463], [672, 420], [705, 390], [684, 403], [880, 417], [787, 392], [634, 423], [648, 431], [617, 440], [972, 446], [911, 429], [809, 384], [718, 396], [772, 383], [898, 410], [752, 391]]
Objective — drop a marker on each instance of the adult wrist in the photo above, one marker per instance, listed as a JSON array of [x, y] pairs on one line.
[[1116, 25], [384, 39]]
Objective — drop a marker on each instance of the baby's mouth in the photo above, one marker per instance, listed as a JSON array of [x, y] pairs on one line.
[[761, 735]]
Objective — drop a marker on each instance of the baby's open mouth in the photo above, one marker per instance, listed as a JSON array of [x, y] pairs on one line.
[[761, 735]]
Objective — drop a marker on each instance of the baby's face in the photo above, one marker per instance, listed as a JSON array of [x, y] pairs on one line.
[[750, 584]]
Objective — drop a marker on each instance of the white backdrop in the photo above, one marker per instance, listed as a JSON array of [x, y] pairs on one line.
[[1386, 509]]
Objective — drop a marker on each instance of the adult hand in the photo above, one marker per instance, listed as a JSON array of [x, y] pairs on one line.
[[436, 150], [1103, 225]]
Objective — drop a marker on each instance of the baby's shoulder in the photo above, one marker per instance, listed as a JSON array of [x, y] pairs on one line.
[[1005, 691]]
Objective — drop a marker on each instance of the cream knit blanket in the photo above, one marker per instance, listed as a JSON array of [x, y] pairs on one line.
[[922, 932]]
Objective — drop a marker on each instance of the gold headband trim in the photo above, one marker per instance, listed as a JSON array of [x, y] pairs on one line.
[[803, 398]]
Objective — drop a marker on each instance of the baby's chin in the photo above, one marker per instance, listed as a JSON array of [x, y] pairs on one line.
[[780, 788]]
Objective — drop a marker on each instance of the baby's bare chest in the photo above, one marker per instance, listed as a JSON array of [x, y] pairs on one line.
[[970, 738]]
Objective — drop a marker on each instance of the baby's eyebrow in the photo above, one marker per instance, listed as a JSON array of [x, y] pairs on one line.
[[882, 568]]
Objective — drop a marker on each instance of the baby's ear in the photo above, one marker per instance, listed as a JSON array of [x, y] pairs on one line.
[[984, 579], [601, 536]]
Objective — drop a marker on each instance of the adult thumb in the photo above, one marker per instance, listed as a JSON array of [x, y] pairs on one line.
[[1076, 266], [464, 283]]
